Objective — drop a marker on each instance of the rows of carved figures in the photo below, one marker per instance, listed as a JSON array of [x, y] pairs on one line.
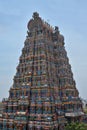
[[21, 122]]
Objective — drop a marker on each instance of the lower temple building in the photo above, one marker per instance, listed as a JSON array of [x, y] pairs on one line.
[[44, 94]]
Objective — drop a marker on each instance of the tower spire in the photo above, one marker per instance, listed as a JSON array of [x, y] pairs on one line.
[[44, 95]]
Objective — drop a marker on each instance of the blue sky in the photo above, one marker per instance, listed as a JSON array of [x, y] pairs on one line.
[[71, 18]]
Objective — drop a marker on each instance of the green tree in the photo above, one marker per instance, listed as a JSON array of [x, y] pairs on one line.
[[76, 126]]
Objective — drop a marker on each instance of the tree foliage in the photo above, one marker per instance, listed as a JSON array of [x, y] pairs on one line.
[[76, 126]]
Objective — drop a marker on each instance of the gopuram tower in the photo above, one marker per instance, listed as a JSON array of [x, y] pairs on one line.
[[44, 94]]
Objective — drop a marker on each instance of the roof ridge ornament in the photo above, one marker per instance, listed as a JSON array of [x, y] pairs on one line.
[[35, 15]]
